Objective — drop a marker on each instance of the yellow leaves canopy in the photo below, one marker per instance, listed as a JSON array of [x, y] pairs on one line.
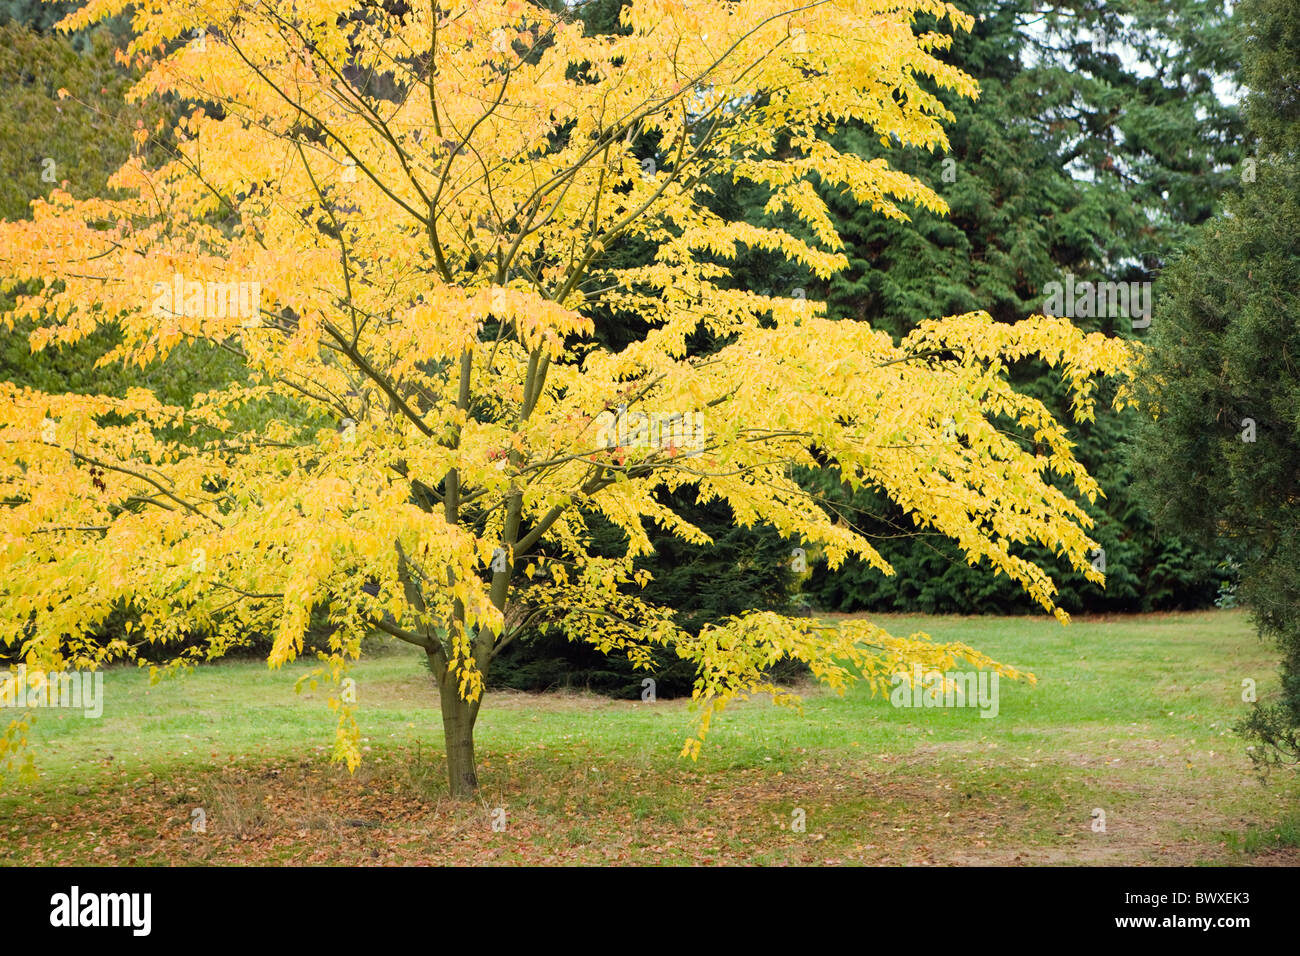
[[409, 225]]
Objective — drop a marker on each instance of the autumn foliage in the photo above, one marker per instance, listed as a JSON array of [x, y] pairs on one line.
[[423, 205]]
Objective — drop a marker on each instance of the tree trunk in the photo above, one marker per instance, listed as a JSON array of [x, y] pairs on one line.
[[458, 717]]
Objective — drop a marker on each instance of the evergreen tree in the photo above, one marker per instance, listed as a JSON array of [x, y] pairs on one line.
[[1220, 454], [1097, 143]]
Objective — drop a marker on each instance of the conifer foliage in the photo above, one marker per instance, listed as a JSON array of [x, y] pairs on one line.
[[1220, 452]]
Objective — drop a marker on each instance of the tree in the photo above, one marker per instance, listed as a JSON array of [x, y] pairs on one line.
[[1220, 449], [403, 220]]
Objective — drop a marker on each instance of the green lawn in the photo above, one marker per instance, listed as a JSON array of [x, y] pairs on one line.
[[1131, 716]]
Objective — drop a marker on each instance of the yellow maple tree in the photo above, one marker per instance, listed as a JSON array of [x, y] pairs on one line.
[[404, 218]]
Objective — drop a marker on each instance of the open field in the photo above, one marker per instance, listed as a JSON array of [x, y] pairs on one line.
[[1131, 715]]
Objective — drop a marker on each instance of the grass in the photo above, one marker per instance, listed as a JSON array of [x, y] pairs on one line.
[[1131, 716]]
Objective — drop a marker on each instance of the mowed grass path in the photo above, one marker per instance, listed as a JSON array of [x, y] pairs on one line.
[[1131, 716]]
